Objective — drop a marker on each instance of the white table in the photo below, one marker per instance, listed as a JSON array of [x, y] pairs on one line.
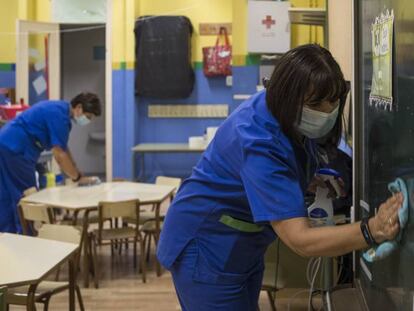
[[87, 198], [158, 148], [27, 260], [80, 198]]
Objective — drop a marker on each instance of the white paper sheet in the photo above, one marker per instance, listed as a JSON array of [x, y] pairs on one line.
[[39, 65], [40, 84], [34, 53]]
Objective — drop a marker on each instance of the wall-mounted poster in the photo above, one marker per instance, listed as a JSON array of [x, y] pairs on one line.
[[381, 88]]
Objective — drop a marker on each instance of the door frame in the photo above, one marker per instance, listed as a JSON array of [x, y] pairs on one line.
[[23, 29]]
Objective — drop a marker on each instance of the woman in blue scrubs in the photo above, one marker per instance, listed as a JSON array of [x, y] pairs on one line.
[[45, 126], [249, 187]]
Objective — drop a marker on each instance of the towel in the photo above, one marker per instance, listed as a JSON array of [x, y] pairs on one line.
[[386, 248]]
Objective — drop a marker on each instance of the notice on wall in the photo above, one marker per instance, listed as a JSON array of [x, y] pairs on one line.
[[40, 85], [381, 87]]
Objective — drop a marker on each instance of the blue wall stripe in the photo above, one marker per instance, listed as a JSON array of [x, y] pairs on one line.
[[8, 79], [132, 125], [124, 114], [206, 91]]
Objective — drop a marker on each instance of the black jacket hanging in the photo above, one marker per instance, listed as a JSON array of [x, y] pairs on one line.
[[163, 57]]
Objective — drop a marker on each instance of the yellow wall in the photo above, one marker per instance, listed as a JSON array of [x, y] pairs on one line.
[[8, 15], [123, 41], [126, 11], [302, 34], [235, 11], [42, 10], [10, 11]]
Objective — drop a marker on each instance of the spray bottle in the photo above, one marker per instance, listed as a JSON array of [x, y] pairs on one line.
[[320, 213]]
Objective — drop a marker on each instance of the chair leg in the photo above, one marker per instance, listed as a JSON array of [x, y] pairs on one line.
[[80, 300], [46, 304], [135, 253], [142, 261], [272, 298], [157, 263], [119, 243], [95, 263], [148, 246], [57, 274]]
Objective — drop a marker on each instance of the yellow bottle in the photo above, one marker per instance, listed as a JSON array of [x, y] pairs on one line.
[[50, 180]]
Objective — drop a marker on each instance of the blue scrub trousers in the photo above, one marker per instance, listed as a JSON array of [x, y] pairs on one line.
[[200, 288], [16, 175]]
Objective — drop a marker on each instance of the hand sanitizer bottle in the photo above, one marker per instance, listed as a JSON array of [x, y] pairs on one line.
[[320, 213]]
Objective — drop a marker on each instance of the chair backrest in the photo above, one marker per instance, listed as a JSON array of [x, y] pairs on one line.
[[3, 293], [168, 181], [29, 213], [36, 212], [62, 233], [29, 191], [272, 270], [121, 209], [116, 210]]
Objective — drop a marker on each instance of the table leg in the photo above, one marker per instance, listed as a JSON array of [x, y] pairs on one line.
[[142, 172], [31, 306], [85, 249], [72, 281], [157, 235], [133, 166]]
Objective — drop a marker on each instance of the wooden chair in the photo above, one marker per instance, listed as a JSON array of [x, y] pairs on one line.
[[46, 289], [272, 277], [3, 292], [106, 236], [30, 213], [151, 220], [29, 191]]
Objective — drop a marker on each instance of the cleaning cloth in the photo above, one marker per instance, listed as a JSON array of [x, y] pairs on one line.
[[384, 249]]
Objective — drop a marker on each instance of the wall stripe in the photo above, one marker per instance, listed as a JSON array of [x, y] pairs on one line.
[[7, 67], [123, 65]]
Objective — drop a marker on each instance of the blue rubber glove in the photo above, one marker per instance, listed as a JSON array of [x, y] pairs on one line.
[[386, 248]]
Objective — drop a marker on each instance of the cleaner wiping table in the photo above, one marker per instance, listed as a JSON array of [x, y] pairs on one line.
[[44, 126]]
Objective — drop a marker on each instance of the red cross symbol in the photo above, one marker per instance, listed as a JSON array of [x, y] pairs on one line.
[[268, 21]]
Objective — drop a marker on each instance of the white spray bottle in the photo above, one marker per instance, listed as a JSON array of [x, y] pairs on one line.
[[320, 213]]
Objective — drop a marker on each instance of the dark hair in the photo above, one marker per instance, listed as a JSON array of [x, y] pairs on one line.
[[89, 101], [306, 73]]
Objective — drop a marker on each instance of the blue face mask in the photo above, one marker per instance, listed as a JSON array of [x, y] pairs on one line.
[[82, 120]]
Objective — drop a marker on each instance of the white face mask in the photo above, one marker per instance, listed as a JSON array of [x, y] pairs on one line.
[[316, 124], [82, 120]]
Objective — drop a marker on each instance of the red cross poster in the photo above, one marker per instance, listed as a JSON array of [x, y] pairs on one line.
[[268, 27]]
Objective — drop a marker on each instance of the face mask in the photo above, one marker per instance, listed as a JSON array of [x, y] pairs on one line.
[[316, 124], [82, 120]]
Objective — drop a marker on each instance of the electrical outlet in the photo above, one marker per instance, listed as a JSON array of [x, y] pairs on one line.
[[229, 80]]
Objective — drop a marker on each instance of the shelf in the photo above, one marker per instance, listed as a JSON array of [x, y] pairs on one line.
[[241, 96], [307, 16], [97, 136]]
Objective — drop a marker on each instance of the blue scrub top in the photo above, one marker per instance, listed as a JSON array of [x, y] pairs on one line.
[[250, 174], [43, 126]]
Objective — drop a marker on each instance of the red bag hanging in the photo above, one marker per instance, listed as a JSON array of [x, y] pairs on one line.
[[217, 59]]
